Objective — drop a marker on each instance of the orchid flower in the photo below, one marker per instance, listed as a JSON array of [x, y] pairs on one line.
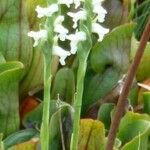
[[80, 15], [37, 36], [48, 11], [60, 29], [101, 31], [57, 50], [77, 3], [75, 39], [99, 10]]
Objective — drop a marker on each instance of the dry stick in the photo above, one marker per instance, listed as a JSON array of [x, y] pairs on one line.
[[128, 82]]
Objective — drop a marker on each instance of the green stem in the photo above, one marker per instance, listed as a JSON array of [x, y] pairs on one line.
[[78, 104], [46, 103]]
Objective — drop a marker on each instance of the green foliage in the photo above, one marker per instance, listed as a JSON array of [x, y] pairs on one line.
[[109, 60], [144, 65], [20, 137], [64, 85], [10, 75], [104, 114], [134, 131]]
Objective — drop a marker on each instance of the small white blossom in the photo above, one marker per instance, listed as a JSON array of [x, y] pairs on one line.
[[80, 15], [77, 3], [48, 11], [59, 28], [75, 39], [99, 10], [66, 2], [101, 31], [61, 53], [37, 36]]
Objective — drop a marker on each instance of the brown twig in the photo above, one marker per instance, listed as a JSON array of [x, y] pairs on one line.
[[128, 82]]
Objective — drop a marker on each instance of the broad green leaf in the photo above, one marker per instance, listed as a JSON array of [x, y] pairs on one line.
[[17, 19], [20, 137], [14, 42], [92, 135], [140, 142], [114, 50], [134, 128], [64, 85], [10, 75], [109, 60], [104, 114], [98, 85], [143, 71]]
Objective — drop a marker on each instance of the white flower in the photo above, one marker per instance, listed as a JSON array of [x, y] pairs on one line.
[[75, 39], [77, 3], [37, 36], [99, 10], [60, 29], [80, 15], [61, 53], [48, 11], [66, 2], [101, 31]]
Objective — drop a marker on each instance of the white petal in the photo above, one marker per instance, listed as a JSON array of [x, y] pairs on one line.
[[77, 3], [80, 15], [99, 10], [75, 39], [61, 53], [101, 31], [66, 2], [48, 11], [37, 36]]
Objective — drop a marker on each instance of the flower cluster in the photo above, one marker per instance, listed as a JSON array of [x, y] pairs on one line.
[[62, 33]]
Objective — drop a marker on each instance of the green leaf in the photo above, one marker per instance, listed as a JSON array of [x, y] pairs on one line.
[[114, 50], [10, 75], [146, 97], [143, 71], [60, 127], [134, 129], [19, 137], [117, 13], [17, 19], [98, 85], [64, 85], [104, 114]]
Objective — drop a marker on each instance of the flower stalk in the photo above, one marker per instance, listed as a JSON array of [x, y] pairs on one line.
[[44, 136], [78, 104]]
